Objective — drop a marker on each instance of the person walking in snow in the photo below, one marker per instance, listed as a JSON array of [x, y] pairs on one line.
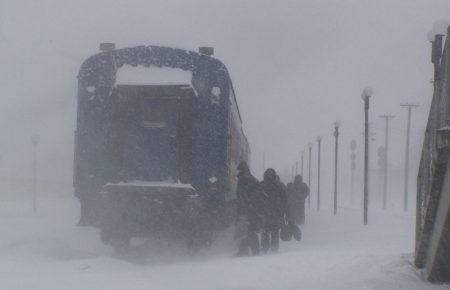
[[297, 193], [275, 209], [249, 209]]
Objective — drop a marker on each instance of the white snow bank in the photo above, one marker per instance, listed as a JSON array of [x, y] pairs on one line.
[[140, 75]]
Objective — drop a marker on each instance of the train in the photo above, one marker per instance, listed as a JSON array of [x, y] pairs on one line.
[[158, 139]]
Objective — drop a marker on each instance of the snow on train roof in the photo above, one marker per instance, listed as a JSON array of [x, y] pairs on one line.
[[139, 183], [152, 75]]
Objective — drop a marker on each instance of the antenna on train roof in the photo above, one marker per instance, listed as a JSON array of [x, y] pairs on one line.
[[207, 50], [107, 46]]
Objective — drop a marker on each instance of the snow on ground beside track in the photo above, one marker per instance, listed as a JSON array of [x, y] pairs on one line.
[[48, 251]]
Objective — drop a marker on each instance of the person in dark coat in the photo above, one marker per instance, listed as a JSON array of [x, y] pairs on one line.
[[275, 208], [250, 206], [297, 193], [289, 187], [284, 186]]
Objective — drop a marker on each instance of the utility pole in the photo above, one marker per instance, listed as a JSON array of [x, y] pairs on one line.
[[319, 139], [303, 155], [409, 106], [381, 161], [309, 173], [366, 94], [387, 118], [353, 167], [35, 142], [336, 135]]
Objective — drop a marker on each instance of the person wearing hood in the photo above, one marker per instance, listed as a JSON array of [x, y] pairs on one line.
[[297, 194], [281, 183], [275, 209], [249, 208]]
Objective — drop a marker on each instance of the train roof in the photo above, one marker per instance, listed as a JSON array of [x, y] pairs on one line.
[[151, 55], [103, 66]]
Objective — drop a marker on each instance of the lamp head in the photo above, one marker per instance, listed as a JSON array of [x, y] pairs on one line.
[[366, 93]]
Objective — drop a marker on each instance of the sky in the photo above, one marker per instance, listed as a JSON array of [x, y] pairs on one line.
[[297, 67]]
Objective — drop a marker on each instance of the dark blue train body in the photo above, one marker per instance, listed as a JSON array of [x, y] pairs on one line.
[[133, 141]]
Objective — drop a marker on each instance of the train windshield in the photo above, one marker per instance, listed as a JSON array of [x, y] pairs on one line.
[[148, 131]]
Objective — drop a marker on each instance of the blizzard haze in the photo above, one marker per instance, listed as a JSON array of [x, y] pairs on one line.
[[297, 67]]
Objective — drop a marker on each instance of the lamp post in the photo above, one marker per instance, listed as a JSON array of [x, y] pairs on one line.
[[319, 139], [353, 167], [35, 142], [366, 94], [371, 141], [303, 157], [336, 136], [309, 172]]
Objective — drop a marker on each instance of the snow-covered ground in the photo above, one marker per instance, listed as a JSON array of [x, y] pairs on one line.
[[48, 251]]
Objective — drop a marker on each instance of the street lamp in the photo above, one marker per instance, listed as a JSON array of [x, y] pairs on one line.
[[309, 172], [302, 157], [35, 142], [353, 167], [336, 135], [319, 139], [435, 36], [366, 94]]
